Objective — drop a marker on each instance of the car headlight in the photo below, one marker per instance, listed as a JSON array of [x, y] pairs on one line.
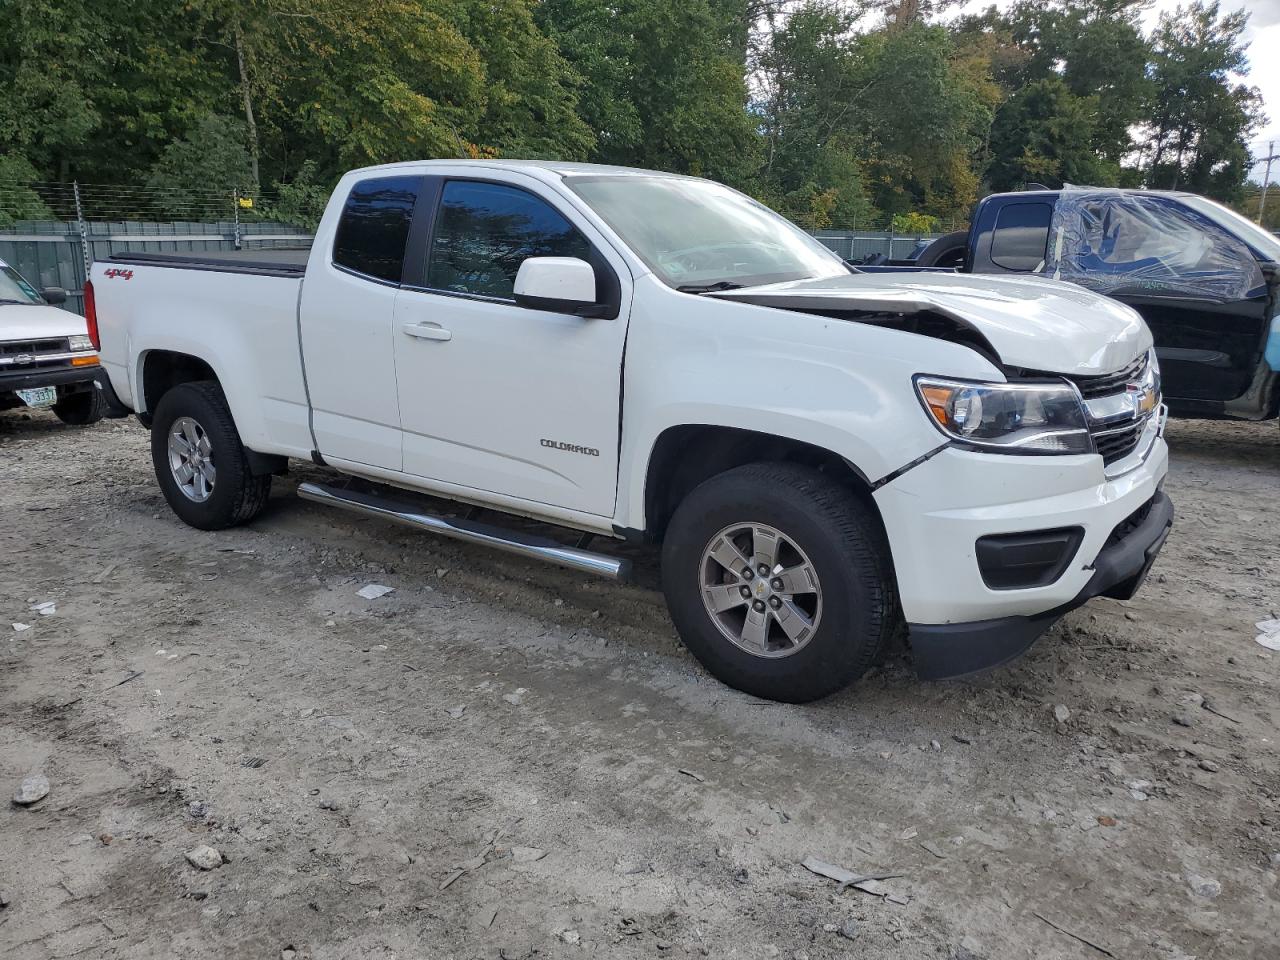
[[1033, 418], [79, 342]]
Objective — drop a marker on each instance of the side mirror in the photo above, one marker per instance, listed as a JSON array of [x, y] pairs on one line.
[[560, 285], [54, 295]]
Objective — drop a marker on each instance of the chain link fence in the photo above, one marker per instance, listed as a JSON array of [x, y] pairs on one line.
[[52, 232]]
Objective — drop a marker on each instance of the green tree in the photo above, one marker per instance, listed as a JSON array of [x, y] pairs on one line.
[[195, 172], [602, 59], [1043, 134], [92, 94], [870, 124], [914, 223], [1096, 49], [382, 80], [1201, 119], [1105, 56], [300, 201], [666, 81], [531, 92], [809, 106], [18, 198], [925, 121], [47, 67]]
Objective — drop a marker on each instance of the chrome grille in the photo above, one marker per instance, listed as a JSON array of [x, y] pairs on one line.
[[1118, 442], [26, 355], [1115, 437], [1103, 384]]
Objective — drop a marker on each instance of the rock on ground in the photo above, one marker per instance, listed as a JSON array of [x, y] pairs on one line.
[[31, 790], [205, 857]]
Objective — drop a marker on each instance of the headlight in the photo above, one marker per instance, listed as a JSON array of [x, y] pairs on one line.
[[80, 342], [1008, 417]]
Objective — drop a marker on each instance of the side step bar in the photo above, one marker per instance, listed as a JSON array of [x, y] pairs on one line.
[[469, 531]]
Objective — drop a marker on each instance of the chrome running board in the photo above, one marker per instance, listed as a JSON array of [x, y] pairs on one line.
[[469, 531]]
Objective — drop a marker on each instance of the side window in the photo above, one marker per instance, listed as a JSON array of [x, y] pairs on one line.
[[1021, 236], [484, 231], [374, 226]]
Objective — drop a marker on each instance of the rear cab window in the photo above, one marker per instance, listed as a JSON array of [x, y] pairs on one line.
[[374, 227], [1021, 236]]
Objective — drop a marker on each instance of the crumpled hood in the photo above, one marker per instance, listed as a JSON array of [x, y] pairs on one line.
[[1031, 322], [35, 321]]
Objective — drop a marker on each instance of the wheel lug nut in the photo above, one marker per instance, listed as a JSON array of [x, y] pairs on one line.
[[746, 592], [775, 602], [764, 571], [747, 573], [759, 606], [776, 584]]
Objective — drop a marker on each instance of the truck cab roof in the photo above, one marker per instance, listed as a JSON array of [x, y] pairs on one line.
[[539, 168]]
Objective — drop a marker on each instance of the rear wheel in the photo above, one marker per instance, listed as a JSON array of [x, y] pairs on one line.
[[199, 461], [778, 581], [81, 409]]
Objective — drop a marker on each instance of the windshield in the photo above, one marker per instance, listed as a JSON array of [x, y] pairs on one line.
[[696, 234], [1267, 244], [13, 289]]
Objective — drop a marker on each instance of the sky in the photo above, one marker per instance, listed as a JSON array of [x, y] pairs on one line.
[[1263, 36]]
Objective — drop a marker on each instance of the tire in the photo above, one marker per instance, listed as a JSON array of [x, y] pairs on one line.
[[234, 495], [851, 615], [946, 251], [81, 409]]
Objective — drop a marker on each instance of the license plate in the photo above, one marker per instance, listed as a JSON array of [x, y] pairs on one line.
[[39, 397]]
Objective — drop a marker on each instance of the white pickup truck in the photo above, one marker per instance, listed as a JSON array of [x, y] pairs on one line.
[[823, 455]]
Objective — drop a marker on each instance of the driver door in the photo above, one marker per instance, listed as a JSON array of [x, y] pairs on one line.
[[495, 397]]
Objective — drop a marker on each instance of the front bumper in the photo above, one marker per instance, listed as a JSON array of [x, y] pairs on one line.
[[956, 649], [68, 380], [49, 377], [935, 514]]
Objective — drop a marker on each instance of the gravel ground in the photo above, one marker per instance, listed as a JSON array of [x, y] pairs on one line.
[[504, 760]]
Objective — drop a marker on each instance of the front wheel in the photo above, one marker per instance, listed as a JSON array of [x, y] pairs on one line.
[[199, 461], [778, 580], [81, 409]]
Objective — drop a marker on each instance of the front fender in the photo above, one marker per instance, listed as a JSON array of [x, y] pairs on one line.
[[840, 385]]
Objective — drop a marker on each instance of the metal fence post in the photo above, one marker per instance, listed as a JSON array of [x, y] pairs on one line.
[[84, 232], [235, 212]]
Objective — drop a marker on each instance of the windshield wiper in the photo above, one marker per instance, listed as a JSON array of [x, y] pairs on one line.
[[710, 287]]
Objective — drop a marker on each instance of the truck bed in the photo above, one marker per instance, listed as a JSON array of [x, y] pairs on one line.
[[236, 311], [271, 263]]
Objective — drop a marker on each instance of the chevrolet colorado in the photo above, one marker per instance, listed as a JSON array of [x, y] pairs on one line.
[[821, 454]]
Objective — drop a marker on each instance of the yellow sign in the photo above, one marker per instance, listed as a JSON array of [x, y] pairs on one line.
[[246, 202]]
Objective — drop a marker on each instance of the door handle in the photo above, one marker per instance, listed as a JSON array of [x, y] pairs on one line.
[[426, 331]]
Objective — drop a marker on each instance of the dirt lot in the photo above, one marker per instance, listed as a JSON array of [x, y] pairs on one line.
[[546, 736]]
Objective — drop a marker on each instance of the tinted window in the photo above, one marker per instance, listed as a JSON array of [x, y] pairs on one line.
[[375, 225], [1022, 234], [484, 231]]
